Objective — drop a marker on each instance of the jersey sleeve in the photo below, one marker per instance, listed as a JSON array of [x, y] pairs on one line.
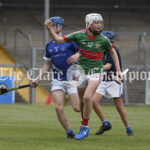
[[71, 37], [108, 45], [47, 55], [75, 46]]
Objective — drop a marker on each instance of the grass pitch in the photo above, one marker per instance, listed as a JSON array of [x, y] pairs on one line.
[[35, 127]]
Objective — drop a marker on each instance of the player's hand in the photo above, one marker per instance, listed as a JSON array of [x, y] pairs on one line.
[[35, 83], [48, 24], [72, 59], [120, 75]]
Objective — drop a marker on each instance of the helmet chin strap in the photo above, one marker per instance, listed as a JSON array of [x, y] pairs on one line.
[[95, 32]]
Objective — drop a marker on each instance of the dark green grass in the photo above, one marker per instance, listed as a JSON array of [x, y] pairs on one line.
[[27, 127]]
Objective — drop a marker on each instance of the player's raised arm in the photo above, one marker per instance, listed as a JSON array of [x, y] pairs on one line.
[[51, 29]]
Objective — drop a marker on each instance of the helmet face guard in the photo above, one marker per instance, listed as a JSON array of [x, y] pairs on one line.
[[91, 18], [58, 21]]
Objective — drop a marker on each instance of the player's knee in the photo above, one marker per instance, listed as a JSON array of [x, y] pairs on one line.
[[94, 102], [119, 106], [86, 99], [76, 109], [118, 103], [59, 108]]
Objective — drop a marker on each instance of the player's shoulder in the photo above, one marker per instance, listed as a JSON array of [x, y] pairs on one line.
[[116, 49], [105, 38], [73, 43], [78, 32], [49, 43]]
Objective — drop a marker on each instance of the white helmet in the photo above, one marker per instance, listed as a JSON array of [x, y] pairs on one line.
[[90, 18]]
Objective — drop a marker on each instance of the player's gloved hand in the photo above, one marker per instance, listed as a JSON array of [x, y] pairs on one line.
[[35, 83], [72, 59]]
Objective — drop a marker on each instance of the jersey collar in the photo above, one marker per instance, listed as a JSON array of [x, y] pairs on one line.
[[90, 37]]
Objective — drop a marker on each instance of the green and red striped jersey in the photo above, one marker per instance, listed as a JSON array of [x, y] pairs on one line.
[[91, 50]]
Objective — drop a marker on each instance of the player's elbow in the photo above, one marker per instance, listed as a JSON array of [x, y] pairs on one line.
[[107, 66], [59, 40], [76, 109]]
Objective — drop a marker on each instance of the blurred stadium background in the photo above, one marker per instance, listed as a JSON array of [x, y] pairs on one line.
[[23, 36]]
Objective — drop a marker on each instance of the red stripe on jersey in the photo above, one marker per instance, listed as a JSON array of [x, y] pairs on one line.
[[91, 38], [64, 37], [111, 48], [91, 55]]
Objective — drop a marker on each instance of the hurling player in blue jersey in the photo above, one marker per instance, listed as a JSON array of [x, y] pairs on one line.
[[110, 89], [59, 57]]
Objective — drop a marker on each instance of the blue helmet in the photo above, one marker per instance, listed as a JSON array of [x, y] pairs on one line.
[[58, 20], [110, 35]]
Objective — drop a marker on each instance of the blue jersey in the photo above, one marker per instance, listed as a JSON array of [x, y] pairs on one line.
[[58, 54], [108, 59]]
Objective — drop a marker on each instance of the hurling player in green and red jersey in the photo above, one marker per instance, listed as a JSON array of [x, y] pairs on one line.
[[91, 46]]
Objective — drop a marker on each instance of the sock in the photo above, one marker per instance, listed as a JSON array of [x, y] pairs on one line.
[[128, 128], [84, 122], [105, 122], [69, 131]]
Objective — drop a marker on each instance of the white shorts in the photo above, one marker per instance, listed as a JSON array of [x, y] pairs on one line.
[[110, 89], [96, 76], [64, 86]]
